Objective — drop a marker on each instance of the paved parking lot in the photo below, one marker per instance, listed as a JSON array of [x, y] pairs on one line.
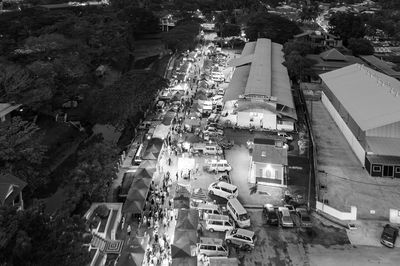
[[284, 246], [348, 184]]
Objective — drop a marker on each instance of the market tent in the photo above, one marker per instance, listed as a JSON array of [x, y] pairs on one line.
[[150, 156], [161, 131], [182, 191], [133, 254], [149, 165], [137, 195], [187, 219], [181, 202], [188, 261], [198, 194], [146, 173], [184, 244]]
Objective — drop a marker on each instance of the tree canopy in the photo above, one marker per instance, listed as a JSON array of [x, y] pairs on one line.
[[347, 25], [271, 26], [119, 102], [182, 37], [360, 46], [20, 150], [33, 238]]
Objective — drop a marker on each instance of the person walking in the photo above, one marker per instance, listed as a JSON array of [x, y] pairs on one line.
[[128, 230]]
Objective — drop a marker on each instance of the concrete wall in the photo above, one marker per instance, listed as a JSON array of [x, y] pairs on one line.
[[351, 139], [394, 216], [352, 215]]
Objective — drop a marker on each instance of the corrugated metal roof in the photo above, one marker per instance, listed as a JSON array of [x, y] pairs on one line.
[[259, 80], [381, 65], [260, 72], [384, 146], [376, 159], [367, 95], [263, 153], [332, 55]]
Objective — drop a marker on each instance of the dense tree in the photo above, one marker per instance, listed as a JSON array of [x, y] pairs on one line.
[[271, 26], [21, 85], [119, 102], [229, 30], [95, 172], [298, 66], [347, 25], [182, 37], [303, 48], [141, 21], [20, 150], [33, 238], [360, 46]]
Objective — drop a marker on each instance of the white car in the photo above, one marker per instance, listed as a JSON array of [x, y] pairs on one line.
[[285, 135], [284, 215], [223, 190], [241, 237]]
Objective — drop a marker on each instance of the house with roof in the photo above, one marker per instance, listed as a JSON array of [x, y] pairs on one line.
[[365, 105], [319, 38], [6, 109], [259, 94], [104, 219], [331, 59], [11, 191], [269, 163]]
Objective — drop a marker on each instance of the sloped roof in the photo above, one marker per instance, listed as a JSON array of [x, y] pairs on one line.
[[367, 95], [333, 55], [381, 65], [260, 72], [6, 108], [263, 153], [9, 186]]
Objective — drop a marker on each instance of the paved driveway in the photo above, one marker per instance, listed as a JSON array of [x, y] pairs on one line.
[[348, 184]]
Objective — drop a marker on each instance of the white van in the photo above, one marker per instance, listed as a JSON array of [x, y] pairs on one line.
[[211, 247], [219, 223], [218, 165], [223, 189], [206, 209], [238, 213]]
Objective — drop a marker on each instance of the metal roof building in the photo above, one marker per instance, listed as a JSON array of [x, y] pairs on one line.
[[260, 87], [366, 106], [260, 68]]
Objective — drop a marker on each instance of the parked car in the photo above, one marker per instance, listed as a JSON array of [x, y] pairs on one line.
[[285, 135], [305, 219], [270, 213], [223, 190], [218, 165], [240, 237], [212, 131], [290, 207], [389, 235], [285, 218]]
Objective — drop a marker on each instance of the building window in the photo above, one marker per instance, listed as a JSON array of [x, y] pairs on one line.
[[268, 173], [397, 169], [376, 168]]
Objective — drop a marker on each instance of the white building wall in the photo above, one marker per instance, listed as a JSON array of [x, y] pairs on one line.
[[243, 119], [351, 139], [269, 120], [387, 131]]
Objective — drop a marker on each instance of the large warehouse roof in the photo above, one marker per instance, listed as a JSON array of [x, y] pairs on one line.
[[370, 97], [260, 68]]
